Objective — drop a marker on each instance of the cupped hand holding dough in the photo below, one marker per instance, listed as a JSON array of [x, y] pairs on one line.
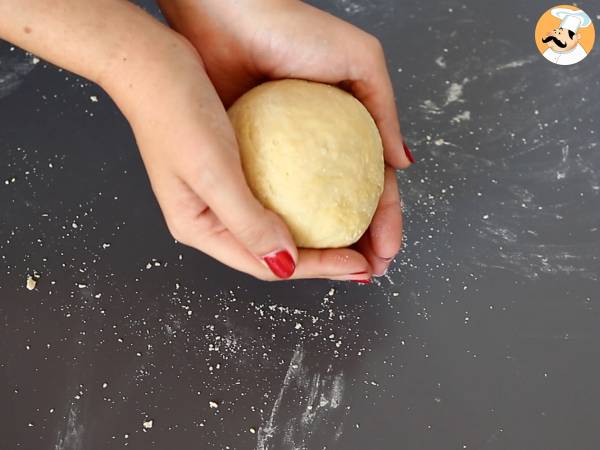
[[312, 153]]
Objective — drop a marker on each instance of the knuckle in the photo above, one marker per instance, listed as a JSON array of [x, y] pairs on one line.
[[177, 229], [375, 46], [252, 235]]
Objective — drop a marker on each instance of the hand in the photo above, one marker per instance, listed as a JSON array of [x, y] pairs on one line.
[[185, 138], [190, 152], [245, 43]]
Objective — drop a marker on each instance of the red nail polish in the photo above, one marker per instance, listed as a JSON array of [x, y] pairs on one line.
[[409, 155], [361, 281], [281, 263]]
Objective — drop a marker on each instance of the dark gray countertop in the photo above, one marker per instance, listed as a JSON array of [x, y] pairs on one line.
[[484, 335]]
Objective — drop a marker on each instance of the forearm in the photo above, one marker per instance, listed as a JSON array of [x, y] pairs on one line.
[[201, 18], [111, 42]]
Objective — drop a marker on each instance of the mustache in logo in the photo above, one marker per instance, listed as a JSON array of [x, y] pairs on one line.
[[555, 40]]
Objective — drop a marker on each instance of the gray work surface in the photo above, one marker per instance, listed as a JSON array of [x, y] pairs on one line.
[[485, 334]]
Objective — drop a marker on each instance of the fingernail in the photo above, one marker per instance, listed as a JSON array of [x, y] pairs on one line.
[[281, 263], [409, 155], [387, 259], [361, 281]]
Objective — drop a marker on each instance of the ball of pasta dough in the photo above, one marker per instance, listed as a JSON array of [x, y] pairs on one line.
[[311, 153]]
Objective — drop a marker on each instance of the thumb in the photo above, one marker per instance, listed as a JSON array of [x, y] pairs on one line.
[[263, 233]]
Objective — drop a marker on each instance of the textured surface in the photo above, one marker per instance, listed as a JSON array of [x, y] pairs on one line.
[[312, 154], [484, 335]]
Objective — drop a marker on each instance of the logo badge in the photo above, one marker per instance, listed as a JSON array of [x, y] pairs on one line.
[[565, 35]]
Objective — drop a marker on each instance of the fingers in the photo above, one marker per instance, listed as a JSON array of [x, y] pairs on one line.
[[342, 264], [377, 264], [262, 232], [192, 223], [386, 226], [335, 263], [212, 238], [206, 234], [373, 87], [226, 208], [383, 239]]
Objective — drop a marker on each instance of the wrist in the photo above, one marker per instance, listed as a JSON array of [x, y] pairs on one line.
[[144, 71], [86, 38], [198, 18]]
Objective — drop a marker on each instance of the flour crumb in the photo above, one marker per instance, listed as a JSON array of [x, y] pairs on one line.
[[147, 424], [32, 281], [441, 141], [454, 93], [93, 98], [462, 117], [213, 404], [440, 62]]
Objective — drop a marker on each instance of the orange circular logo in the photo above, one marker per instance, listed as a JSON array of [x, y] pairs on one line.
[[565, 35]]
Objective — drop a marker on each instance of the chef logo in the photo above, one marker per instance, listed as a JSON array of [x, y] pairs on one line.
[[565, 35]]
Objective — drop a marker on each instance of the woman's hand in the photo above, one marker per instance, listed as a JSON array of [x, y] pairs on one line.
[[188, 146], [245, 43], [190, 151]]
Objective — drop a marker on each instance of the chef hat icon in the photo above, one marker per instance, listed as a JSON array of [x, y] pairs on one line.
[[570, 19]]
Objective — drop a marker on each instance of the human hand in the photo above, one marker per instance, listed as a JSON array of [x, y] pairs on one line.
[[190, 152], [245, 43], [185, 138]]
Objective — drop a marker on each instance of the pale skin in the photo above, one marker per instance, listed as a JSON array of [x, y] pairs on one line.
[[173, 85]]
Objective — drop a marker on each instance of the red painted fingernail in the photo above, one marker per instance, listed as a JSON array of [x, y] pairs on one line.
[[361, 281], [281, 263], [409, 155]]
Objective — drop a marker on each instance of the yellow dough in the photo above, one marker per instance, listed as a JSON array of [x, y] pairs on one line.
[[311, 153]]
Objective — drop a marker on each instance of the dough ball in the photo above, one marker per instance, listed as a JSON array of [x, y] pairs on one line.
[[311, 153]]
